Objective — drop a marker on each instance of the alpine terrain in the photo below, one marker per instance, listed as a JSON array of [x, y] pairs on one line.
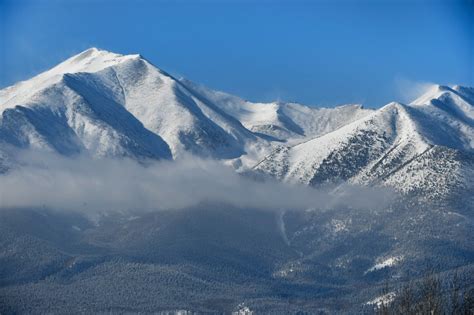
[[215, 257]]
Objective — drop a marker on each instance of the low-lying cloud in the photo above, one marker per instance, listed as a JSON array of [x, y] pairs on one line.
[[89, 184]]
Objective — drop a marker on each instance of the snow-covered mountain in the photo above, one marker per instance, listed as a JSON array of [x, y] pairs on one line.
[[425, 146], [285, 122], [224, 258], [105, 104], [108, 104]]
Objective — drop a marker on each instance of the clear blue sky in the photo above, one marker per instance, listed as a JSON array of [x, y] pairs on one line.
[[325, 52]]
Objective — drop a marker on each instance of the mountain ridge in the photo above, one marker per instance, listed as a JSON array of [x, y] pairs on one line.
[[187, 118], [112, 105]]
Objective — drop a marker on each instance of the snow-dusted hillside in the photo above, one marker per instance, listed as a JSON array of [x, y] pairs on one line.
[[427, 146], [113, 105], [107, 104], [286, 122]]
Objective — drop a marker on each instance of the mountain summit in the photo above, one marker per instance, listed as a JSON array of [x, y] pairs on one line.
[[108, 104]]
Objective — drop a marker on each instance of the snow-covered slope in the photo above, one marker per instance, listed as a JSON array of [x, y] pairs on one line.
[[286, 122], [93, 97], [91, 60], [427, 146], [107, 104]]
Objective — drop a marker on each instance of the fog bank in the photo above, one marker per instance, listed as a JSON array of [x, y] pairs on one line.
[[89, 184]]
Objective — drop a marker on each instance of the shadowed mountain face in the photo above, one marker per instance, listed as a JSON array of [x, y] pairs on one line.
[[224, 258]]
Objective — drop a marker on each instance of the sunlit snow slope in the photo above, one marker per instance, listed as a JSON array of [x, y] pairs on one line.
[[106, 104], [426, 146]]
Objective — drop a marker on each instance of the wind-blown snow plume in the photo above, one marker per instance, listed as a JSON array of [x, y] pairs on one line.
[[90, 184], [409, 90]]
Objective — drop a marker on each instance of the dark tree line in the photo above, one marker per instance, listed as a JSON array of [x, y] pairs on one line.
[[433, 295]]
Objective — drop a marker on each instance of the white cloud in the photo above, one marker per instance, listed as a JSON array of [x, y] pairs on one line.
[[88, 184]]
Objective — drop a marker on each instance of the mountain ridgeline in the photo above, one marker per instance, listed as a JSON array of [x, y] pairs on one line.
[[223, 258]]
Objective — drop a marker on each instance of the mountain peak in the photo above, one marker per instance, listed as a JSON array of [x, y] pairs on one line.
[[90, 60], [94, 52], [88, 53], [433, 91]]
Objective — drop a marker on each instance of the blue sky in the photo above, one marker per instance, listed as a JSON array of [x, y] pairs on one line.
[[313, 52]]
